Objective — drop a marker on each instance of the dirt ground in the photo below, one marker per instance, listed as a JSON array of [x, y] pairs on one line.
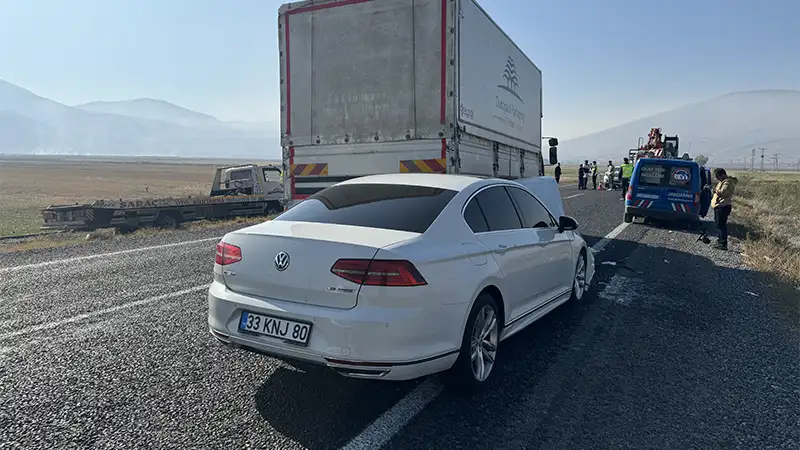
[[28, 184]]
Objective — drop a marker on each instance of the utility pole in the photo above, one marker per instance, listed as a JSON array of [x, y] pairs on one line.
[[753, 161], [763, 150], [774, 159]]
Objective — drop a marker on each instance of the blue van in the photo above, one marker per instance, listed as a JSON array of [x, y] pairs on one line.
[[668, 189]]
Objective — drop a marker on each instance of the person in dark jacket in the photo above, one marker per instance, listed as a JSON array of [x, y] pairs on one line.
[[557, 173]]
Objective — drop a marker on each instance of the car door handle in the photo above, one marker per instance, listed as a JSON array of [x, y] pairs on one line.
[[501, 249]]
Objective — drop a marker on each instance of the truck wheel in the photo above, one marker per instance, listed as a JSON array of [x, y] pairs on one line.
[[124, 229], [627, 218], [273, 208], [167, 221]]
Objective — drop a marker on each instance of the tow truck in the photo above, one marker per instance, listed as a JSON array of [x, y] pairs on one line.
[[241, 190], [657, 145]]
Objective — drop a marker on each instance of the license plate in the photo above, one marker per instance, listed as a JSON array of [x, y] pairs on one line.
[[288, 330]]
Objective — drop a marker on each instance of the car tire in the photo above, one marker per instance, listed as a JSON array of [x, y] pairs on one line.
[[627, 218], [579, 279], [470, 371]]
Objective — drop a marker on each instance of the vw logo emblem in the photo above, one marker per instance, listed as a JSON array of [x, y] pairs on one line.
[[282, 261]]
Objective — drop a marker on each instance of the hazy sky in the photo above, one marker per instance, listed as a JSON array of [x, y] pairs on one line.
[[603, 62]]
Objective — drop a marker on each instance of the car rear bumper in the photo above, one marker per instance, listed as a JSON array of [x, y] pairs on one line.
[[392, 343], [661, 214]]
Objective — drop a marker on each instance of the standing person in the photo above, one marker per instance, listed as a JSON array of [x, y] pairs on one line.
[[722, 202], [627, 173], [610, 170], [586, 170], [557, 173], [594, 174], [580, 177]]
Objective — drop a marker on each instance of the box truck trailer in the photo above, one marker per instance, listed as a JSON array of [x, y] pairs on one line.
[[382, 86]]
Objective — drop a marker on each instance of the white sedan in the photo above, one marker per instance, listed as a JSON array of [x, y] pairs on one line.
[[399, 276]]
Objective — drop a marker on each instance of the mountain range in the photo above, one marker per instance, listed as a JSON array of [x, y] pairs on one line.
[[724, 129], [30, 124]]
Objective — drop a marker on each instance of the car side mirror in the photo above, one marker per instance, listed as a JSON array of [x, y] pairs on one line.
[[567, 223], [553, 156]]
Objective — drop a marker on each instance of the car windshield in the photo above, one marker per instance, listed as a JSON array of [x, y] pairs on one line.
[[386, 206], [665, 175]]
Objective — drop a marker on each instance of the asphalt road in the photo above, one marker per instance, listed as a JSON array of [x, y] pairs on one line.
[[676, 346]]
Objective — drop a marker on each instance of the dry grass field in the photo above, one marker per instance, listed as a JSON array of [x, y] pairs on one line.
[[767, 207], [28, 184]]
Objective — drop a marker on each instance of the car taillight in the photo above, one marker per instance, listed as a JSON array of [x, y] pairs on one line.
[[378, 272], [696, 199], [227, 254], [629, 195]]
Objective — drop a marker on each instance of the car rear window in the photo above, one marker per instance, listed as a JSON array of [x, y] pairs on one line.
[[386, 206], [665, 175]]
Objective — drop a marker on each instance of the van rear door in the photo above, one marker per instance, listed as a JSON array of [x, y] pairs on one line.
[[666, 186]]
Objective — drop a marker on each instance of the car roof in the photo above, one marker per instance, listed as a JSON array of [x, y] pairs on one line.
[[434, 180]]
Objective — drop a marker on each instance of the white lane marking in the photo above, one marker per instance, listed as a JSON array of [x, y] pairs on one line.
[[573, 196], [100, 312], [607, 238], [102, 255], [395, 418]]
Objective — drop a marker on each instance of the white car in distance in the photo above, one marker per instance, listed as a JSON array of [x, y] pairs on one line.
[[400, 276]]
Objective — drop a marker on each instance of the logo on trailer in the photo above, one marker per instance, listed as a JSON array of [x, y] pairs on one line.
[[681, 175], [512, 81], [282, 261]]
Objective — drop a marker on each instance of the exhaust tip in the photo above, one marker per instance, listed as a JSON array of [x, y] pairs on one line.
[[360, 373], [221, 337]]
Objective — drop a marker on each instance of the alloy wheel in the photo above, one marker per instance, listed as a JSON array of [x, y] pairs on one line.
[[483, 347], [580, 278]]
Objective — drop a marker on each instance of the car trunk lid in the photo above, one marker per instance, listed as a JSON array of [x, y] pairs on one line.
[[308, 251]]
